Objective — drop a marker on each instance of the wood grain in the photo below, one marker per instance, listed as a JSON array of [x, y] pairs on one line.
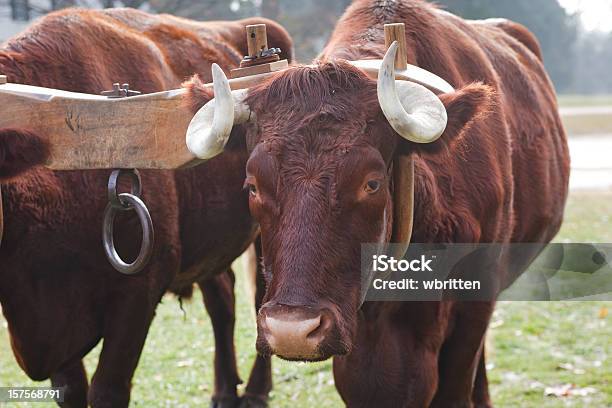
[[397, 32], [94, 132], [259, 69], [257, 39]]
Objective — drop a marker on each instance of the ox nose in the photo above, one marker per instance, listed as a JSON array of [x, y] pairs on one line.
[[295, 332]]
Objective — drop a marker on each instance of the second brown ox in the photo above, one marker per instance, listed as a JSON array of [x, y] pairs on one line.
[[491, 163], [59, 294]]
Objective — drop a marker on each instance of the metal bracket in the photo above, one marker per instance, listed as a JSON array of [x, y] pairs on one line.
[[120, 91], [262, 57]]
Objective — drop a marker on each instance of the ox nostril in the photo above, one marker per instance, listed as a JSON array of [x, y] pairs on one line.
[[322, 329]]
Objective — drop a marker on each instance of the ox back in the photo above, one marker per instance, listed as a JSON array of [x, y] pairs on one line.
[[58, 293]]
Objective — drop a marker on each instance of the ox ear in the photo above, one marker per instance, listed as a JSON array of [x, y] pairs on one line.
[[464, 107], [19, 151]]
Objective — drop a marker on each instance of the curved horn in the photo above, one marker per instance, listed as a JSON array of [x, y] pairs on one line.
[[210, 128], [415, 112]]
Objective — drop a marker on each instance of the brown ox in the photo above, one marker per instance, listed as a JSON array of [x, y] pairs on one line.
[[322, 143], [58, 292]]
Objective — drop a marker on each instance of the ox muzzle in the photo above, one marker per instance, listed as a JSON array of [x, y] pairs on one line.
[[299, 332]]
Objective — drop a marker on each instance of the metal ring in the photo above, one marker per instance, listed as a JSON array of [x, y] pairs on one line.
[[113, 194], [148, 235]]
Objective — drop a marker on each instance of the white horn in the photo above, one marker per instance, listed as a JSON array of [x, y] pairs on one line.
[[210, 128], [415, 112]]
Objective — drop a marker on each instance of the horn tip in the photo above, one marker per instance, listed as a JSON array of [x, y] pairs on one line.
[[391, 52], [216, 68]]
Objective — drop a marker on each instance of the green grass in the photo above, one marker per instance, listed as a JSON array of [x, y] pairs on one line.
[[588, 125], [570, 101], [593, 123], [531, 346]]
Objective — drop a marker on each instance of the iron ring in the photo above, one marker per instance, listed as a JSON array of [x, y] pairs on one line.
[[148, 235]]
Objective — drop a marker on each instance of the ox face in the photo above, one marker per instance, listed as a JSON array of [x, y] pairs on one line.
[[313, 219], [320, 185], [318, 182]]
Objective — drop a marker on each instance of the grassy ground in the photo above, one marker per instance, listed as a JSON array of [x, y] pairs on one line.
[[568, 101], [587, 125], [594, 123], [533, 348]]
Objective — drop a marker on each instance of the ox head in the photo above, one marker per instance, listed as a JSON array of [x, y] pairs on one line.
[[323, 143]]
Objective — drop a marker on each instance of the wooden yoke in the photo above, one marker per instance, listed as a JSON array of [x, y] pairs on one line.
[[397, 32], [90, 131], [261, 59], [94, 132], [403, 165], [257, 39]]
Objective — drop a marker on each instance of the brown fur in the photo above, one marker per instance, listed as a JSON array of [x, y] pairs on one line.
[[58, 293], [498, 174], [20, 150]]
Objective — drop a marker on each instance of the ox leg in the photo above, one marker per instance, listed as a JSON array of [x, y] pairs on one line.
[[74, 380], [481, 397], [128, 317], [260, 380], [220, 303], [461, 355]]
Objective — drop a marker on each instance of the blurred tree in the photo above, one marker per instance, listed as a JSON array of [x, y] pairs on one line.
[[592, 64], [555, 28], [270, 8], [310, 23], [205, 9], [20, 10], [576, 61], [60, 4]]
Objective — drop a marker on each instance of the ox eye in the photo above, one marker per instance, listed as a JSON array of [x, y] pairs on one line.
[[251, 188], [372, 186]]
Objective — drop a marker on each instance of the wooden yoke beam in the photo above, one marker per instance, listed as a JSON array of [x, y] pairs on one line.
[[261, 59], [94, 132]]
